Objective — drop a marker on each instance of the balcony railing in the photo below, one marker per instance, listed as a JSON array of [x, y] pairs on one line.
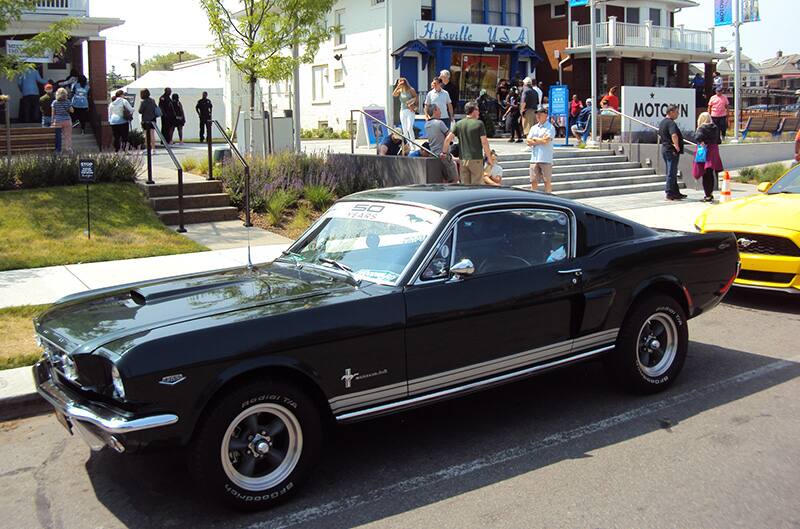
[[613, 33], [74, 8]]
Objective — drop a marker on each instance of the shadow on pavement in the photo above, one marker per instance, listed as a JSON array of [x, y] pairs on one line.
[[753, 299], [395, 464]]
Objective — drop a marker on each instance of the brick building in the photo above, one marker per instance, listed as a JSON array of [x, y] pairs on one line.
[[638, 44], [85, 37]]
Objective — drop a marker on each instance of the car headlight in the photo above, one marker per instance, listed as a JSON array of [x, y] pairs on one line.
[[116, 382], [68, 367]]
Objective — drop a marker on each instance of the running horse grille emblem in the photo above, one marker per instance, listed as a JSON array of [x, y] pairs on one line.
[[348, 378], [745, 243]]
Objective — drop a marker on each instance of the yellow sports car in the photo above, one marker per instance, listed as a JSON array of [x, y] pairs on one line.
[[767, 228]]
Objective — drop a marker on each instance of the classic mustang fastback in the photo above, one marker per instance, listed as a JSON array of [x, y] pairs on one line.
[[394, 298]]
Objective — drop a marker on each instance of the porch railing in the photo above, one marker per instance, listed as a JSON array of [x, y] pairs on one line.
[[647, 35], [62, 7]]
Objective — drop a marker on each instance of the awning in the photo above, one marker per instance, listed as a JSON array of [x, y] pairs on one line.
[[410, 47], [526, 52]]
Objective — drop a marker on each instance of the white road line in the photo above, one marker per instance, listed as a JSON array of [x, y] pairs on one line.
[[314, 513]]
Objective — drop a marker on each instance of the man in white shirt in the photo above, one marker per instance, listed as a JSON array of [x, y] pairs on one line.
[[540, 139], [439, 97]]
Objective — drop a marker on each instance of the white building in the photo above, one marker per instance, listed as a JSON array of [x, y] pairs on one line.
[[479, 41]]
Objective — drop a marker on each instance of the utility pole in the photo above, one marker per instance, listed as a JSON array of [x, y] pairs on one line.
[[296, 98], [138, 60], [388, 80], [593, 58], [737, 74]]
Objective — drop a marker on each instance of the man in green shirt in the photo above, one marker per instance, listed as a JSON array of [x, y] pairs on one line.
[[472, 143]]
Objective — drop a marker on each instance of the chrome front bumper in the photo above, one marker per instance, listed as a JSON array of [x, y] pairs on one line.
[[97, 425]]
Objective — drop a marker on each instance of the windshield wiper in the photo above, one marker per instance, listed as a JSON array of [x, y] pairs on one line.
[[341, 266]]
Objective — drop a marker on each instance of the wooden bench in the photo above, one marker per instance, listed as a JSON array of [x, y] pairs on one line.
[[789, 125], [28, 139], [775, 125]]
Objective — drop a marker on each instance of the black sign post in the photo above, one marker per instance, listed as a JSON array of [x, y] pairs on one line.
[[86, 176]]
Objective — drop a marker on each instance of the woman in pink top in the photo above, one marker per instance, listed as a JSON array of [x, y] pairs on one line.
[[718, 108]]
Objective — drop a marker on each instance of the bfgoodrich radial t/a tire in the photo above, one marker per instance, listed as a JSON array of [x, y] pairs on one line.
[[651, 346], [257, 444]]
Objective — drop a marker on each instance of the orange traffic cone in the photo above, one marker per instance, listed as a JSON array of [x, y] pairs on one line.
[[725, 192]]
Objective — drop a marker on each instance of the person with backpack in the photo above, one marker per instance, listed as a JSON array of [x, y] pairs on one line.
[[180, 117], [80, 101], [120, 114]]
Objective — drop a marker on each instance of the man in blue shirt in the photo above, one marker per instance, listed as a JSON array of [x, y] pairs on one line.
[[540, 139], [28, 83], [583, 123]]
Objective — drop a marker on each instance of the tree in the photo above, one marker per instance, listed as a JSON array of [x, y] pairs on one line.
[[114, 80], [166, 61], [51, 40], [256, 37]]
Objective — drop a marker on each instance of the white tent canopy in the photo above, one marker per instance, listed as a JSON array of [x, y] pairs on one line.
[[189, 83]]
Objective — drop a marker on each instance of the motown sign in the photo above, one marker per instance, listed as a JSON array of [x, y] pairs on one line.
[[482, 33], [649, 104]]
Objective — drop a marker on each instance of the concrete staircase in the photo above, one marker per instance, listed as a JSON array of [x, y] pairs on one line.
[[203, 201], [582, 173]]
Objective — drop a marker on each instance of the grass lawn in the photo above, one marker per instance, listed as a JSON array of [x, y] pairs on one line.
[[45, 227], [18, 347]]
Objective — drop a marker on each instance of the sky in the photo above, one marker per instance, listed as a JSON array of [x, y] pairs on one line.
[[171, 25]]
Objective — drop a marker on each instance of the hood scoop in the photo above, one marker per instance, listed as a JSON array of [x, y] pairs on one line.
[[154, 293]]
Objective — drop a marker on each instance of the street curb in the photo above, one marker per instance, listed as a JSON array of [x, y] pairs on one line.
[[22, 406]]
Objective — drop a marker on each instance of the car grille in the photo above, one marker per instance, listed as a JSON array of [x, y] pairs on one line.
[[766, 244], [767, 277]]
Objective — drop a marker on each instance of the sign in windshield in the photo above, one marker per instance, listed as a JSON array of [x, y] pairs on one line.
[[374, 240]]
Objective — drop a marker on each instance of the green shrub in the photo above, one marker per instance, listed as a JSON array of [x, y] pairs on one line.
[[189, 164], [771, 172], [747, 174], [324, 134], [196, 165], [277, 203], [302, 218], [321, 197], [136, 138], [29, 171]]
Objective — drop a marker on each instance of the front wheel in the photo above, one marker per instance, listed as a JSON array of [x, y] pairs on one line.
[[651, 346], [257, 444]]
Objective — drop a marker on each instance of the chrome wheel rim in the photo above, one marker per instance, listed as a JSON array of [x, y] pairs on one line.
[[261, 447], [657, 345]]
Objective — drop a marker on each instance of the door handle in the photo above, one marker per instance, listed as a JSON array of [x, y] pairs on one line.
[[576, 271]]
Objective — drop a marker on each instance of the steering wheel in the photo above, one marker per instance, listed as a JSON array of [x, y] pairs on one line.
[[501, 262]]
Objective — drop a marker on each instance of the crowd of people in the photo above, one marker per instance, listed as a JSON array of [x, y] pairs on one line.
[[169, 110]]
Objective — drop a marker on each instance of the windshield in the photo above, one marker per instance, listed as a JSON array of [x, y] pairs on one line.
[[375, 240], [788, 183]]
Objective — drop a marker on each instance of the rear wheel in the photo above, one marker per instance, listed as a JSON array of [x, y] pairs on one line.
[[257, 444], [651, 346]]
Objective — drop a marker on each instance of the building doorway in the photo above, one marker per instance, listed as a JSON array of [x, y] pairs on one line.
[[473, 72]]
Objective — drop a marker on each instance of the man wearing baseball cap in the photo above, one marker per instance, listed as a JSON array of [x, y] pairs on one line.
[[540, 140], [45, 105]]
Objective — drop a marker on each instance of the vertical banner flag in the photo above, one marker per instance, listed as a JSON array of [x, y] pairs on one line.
[[578, 3], [750, 11], [723, 12]]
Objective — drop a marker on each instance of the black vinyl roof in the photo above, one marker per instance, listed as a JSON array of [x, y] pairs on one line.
[[452, 197]]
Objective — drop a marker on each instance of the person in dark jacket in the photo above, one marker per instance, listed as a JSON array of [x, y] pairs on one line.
[[180, 117], [167, 114], [511, 116], [707, 134], [149, 111], [204, 109]]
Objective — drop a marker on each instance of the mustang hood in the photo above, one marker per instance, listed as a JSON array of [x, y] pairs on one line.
[[776, 211], [85, 322]]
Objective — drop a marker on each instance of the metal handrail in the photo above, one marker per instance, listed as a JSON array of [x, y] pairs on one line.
[[392, 129], [648, 125], [241, 159], [181, 228]]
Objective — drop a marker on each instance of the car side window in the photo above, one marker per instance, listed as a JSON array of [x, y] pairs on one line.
[[507, 240], [439, 265]]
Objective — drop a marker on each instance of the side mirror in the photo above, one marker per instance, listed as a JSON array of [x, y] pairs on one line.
[[763, 187], [462, 269]]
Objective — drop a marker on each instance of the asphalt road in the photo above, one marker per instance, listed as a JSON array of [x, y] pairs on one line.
[[718, 449]]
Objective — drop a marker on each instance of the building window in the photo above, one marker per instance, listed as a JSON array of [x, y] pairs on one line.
[[512, 12], [322, 124], [655, 16], [338, 77], [632, 15], [339, 36], [477, 11], [558, 10], [496, 12], [428, 10], [319, 88]]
